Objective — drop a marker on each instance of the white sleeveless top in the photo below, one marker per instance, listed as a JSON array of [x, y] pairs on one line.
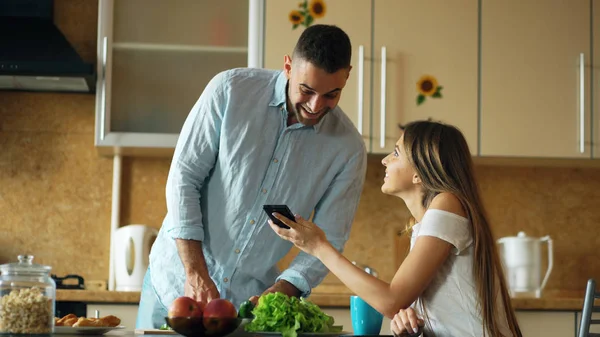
[[451, 298]]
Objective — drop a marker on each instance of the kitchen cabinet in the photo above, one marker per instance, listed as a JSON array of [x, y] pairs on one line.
[[126, 312], [594, 328], [154, 60], [417, 38], [395, 43], [535, 78], [546, 323], [532, 323]]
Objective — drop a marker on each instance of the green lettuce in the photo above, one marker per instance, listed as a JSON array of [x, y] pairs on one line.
[[277, 312]]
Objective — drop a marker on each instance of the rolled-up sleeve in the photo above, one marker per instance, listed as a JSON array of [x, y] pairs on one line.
[[195, 155], [334, 214]]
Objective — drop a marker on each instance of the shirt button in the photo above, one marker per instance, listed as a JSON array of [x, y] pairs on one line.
[[275, 160], [252, 222], [264, 191], [225, 280], [237, 251]]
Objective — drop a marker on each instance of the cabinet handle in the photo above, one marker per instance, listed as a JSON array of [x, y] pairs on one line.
[[383, 87], [361, 79], [103, 113], [581, 103]]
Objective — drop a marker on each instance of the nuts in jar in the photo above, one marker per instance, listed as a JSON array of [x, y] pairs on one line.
[[26, 311]]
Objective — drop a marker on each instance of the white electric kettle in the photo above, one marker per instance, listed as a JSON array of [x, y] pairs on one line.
[[132, 250], [522, 259]]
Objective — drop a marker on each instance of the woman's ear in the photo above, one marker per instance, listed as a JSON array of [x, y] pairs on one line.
[[416, 179]]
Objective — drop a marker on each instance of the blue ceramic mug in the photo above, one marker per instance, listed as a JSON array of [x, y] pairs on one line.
[[365, 319]]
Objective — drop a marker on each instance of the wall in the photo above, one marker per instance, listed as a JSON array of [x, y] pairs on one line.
[[55, 190]]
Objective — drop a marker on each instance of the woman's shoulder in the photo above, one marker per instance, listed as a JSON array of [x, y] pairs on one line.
[[446, 219], [448, 202]]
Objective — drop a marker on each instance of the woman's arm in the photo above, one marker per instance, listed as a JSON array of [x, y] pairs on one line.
[[411, 279]]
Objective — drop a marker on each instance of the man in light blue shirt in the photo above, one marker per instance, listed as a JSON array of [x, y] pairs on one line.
[[257, 137]]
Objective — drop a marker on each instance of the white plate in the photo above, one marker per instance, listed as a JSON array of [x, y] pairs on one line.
[[84, 330]]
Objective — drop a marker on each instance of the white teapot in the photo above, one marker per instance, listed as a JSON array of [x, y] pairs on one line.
[[522, 259]]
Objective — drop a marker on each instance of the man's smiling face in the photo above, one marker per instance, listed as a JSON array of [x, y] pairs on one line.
[[312, 92]]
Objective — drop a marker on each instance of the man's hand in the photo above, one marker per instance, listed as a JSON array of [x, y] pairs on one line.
[[198, 284], [281, 286], [200, 289]]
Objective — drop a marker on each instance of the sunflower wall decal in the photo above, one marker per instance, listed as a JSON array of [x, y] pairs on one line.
[[428, 86], [307, 13]]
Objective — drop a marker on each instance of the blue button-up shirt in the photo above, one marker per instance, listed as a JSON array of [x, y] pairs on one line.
[[235, 153]]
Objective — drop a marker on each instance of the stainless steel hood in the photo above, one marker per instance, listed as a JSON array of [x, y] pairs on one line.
[[35, 55]]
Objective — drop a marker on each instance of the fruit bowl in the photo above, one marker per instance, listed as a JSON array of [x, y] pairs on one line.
[[201, 327]]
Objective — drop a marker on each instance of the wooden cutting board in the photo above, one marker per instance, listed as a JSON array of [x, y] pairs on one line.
[[154, 332]]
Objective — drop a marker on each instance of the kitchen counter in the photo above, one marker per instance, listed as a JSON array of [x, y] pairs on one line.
[[337, 296], [98, 296], [127, 333]]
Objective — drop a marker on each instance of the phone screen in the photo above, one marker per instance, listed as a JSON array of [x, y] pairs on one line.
[[281, 209]]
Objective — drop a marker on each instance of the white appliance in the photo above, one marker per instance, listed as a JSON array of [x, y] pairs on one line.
[[522, 260], [132, 249]]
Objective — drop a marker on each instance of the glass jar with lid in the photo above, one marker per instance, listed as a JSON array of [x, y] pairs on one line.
[[27, 297]]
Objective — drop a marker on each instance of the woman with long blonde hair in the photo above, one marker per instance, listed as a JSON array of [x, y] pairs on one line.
[[451, 283]]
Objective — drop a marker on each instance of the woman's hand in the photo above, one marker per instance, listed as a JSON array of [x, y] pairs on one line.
[[304, 234], [406, 323]]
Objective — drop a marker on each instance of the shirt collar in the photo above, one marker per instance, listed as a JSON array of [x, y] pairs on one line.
[[279, 99], [279, 92]]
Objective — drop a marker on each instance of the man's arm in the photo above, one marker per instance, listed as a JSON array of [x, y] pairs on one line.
[[194, 157], [334, 214], [198, 285]]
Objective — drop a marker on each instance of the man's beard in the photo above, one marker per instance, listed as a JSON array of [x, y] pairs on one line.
[[306, 121]]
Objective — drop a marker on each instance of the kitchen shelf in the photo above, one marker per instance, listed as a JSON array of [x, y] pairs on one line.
[[178, 47]]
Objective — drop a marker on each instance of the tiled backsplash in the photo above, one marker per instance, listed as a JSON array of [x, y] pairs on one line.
[[55, 190]]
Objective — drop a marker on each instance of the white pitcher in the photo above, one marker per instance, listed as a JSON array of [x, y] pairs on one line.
[[522, 259], [132, 250]]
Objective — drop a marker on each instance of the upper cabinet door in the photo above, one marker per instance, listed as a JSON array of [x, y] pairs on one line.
[[535, 91], [354, 17], [155, 58], [433, 43]]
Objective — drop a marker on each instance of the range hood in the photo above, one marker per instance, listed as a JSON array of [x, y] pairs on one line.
[[35, 55]]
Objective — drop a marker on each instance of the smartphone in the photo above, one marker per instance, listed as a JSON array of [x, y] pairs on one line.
[[281, 209]]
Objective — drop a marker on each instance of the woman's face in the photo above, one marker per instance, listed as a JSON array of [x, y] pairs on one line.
[[400, 176]]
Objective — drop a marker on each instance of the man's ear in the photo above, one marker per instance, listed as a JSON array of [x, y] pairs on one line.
[[416, 179], [287, 66]]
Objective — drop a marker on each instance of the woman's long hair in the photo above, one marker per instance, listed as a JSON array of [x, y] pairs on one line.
[[441, 158]]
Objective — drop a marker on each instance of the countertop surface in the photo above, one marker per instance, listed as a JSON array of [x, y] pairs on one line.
[[336, 296], [243, 334]]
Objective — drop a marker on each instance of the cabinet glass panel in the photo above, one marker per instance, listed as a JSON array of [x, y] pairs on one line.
[[155, 91], [182, 22], [163, 55]]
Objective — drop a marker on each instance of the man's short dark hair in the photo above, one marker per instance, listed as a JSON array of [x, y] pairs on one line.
[[325, 46]]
